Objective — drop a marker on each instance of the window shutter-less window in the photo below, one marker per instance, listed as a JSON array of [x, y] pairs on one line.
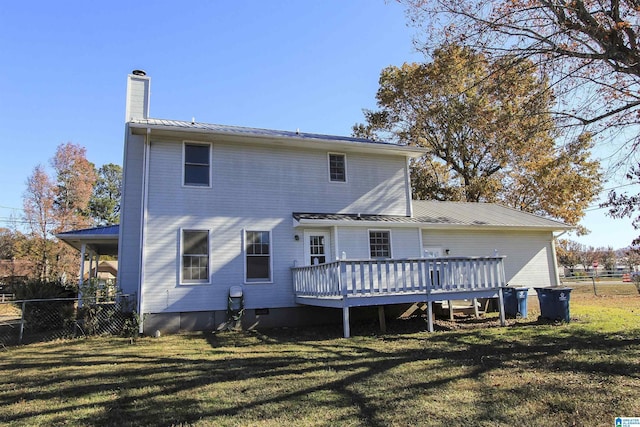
[[196, 164]]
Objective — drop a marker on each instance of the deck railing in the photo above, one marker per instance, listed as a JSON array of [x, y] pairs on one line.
[[350, 278]]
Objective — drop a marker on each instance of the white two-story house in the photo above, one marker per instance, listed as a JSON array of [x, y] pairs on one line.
[[303, 223]]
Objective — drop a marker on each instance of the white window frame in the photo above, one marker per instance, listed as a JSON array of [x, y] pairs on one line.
[[329, 167], [184, 163], [245, 255], [184, 281], [376, 230]]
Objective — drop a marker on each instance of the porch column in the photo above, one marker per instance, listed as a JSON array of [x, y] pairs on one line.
[[345, 321], [90, 266], [97, 265], [430, 316], [83, 250]]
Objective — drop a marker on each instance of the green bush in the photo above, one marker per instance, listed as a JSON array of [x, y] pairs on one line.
[[45, 315], [37, 289]]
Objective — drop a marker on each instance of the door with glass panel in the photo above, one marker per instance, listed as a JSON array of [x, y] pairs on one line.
[[317, 247]]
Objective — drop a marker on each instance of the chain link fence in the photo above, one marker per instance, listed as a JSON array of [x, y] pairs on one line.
[[37, 320]]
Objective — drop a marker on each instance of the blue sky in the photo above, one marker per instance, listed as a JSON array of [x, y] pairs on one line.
[[307, 64]]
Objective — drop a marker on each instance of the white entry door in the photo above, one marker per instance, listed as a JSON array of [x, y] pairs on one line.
[[317, 247]]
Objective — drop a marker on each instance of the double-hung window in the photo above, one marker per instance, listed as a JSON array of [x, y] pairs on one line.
[[195, 256], [337, 167], [197, 164], [379, 244], [258, 256]]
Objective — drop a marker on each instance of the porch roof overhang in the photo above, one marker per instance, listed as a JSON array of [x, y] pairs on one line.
[[99, 240], [439, 215], [182, 130]]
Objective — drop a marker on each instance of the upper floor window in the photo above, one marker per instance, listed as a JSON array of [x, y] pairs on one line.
[[258, 256], [337, 167], [195, 256], [379, 244], [197, 164]]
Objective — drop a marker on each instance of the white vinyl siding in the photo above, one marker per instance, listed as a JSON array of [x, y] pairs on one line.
[[354, 242], [529, 260], [130, 238], [256, 188]]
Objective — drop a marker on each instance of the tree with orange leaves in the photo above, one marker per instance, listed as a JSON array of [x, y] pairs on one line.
[[52, 205], [487, 132]]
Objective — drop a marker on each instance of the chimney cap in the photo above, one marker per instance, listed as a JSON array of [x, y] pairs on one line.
[[139, 73]]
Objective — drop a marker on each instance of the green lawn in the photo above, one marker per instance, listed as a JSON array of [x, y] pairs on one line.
[[473, 373]]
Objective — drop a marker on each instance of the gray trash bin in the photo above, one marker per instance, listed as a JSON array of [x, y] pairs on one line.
[[515, 301]]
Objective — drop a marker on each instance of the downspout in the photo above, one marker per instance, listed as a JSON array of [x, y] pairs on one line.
[[408, 186], [555, 258], [143, 225]]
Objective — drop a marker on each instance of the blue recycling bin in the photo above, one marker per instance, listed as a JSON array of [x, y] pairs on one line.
[[515, 301], [554, 303]]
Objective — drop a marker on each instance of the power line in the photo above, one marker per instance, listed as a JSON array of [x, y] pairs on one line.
[[8, 207]]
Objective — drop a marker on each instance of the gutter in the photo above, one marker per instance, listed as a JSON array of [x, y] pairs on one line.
[[404, 150], [422, 225]]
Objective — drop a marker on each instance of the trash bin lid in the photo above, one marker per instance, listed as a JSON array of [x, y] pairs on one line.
[[235, 291]]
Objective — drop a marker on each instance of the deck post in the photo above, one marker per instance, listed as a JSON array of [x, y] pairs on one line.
[[475, 308], [430, 316], [501, 307], [382, 320], [345, 321]]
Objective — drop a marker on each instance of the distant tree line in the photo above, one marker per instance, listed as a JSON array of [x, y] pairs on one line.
[[573, 255], [75, 195]]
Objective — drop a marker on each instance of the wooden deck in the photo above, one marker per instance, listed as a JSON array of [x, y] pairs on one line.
[[352, 283]]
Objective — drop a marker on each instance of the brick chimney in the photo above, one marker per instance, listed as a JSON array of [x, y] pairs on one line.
[[138, 91]]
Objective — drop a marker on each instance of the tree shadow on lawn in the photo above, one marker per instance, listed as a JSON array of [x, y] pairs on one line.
[[274, 375]]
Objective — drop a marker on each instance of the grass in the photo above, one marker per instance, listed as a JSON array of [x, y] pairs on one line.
[[530, 373]]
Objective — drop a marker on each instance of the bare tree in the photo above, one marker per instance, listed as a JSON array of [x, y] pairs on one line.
[[589, 48], [40, 216]]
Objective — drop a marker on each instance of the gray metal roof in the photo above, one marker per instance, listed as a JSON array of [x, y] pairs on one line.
[[427, 213], [101, 240], [106, 231], [481, 214], [178, 125]]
